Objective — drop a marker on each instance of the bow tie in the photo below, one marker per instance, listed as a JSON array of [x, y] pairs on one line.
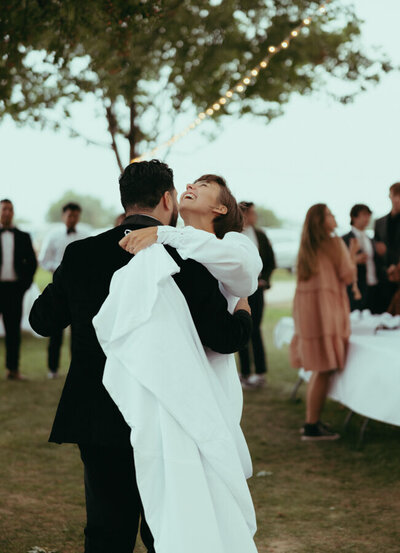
[[71, 231], [12, 229]]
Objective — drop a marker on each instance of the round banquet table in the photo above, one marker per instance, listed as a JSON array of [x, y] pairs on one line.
[[370, 382]]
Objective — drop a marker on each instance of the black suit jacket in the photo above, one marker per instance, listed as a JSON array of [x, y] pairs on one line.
[[86, 413], [392, 255], [25, 262], [361, 274], [267, 256]]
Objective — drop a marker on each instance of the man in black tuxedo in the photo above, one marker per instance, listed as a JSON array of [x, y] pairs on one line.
[[17, 267], [367, 261], [256, 301], [86, 415], [387, 235]]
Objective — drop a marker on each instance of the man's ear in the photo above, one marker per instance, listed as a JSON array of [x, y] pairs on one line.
[[220, 209], [167, 200]]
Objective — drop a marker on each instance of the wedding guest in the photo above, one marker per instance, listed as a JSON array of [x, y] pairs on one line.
[[367, 260], [387, 236], [325, 267], [50, 257], [17, 268], [256, 301]]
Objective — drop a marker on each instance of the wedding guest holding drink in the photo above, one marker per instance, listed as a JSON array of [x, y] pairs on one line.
[[321, 311], [367, 260]]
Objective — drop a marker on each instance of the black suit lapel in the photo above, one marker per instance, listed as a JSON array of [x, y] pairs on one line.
[[17, 249], [385, 225]]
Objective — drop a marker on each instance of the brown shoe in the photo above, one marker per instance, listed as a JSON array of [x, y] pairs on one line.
[[15, 375]]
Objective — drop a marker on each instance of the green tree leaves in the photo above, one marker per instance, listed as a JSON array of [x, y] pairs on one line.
[[146, 62]]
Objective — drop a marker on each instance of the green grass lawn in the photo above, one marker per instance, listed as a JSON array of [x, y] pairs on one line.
[[321, 497]]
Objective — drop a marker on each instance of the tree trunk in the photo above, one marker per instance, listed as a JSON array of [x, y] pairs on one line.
[[132, 132], [112, 127]]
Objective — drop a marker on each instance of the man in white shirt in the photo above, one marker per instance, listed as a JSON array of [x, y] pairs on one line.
[[17, 267], [367, 278], [50, 257]]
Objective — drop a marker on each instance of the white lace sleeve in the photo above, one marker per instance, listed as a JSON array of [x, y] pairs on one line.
[[234, 260]]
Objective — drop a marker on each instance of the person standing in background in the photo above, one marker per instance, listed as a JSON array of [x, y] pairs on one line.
[[50, 257], [17, 268], [367, 261], [387, 238], [256, 301], [321, 312]]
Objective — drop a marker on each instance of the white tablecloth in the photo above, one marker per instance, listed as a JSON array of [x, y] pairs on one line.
[[370, 382]]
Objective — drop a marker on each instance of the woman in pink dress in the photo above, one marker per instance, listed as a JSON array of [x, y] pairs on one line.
[[321, 311]]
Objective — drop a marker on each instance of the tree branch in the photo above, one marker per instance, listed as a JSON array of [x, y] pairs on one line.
[[132, 131], [112, 127]]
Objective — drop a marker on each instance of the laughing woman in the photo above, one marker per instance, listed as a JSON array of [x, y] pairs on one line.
[[212, 237]]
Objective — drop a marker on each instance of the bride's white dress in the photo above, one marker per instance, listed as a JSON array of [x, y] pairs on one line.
[[184, 409]]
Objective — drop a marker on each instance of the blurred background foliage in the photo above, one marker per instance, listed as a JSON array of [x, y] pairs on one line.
[[146, 62], [94, 213]]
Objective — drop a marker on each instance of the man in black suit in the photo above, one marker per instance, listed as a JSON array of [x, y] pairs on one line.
[[17, 267], [256, 301], [387, 236], [86, 414], [367, 261]]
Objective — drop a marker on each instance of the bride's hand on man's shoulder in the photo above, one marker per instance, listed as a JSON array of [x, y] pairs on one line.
[[138, 240]]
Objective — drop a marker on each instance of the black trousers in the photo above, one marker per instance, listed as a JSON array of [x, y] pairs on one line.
[[54, 349], [370, 299], [256, 302], [385, 292], [113, 505], [11, 296]]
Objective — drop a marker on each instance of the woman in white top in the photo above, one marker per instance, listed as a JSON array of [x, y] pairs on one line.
[[211, 236]]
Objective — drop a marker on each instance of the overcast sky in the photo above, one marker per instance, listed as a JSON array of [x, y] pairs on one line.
[[318, 151]]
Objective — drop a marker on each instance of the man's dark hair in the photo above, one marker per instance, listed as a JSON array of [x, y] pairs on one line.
[[357, 209], [5, 201], [232, 220], [144, 183], [244, 206], [395, 189], [71, 206]]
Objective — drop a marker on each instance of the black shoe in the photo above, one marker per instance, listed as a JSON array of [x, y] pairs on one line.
[[318, 432], [325, 425]]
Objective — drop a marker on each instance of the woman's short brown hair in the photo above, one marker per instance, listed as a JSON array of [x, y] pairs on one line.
[[232, 220]]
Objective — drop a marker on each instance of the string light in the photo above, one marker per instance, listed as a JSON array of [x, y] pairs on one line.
[[240, 86]]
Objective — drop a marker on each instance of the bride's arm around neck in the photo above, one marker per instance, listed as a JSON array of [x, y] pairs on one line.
[[233, 260]]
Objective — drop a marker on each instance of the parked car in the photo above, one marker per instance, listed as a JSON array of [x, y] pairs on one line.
[[285, 243]]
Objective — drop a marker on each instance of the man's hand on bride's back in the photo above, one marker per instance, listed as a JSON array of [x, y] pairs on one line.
[[138, 240], [243, 304]]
